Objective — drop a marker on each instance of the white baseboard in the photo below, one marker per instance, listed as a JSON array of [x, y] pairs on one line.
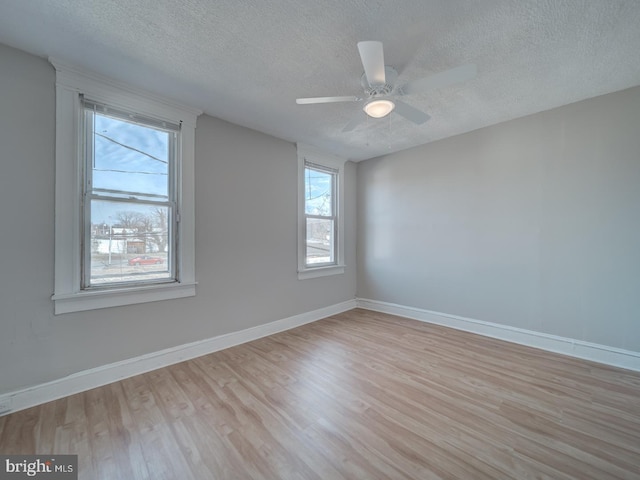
[[96, 377], [567, 346]]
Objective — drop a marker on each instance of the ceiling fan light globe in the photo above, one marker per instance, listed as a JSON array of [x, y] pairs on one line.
[[379, 108]]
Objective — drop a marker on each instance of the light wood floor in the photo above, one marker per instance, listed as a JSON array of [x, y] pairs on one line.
[[357, 395]]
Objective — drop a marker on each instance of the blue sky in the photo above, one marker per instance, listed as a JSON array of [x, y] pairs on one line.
[[129, 158], [317, 192], [145, 172]]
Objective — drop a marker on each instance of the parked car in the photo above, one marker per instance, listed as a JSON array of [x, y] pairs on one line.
[[145, 260]]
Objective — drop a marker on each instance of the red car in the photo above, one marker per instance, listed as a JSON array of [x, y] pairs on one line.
[[145, 260]]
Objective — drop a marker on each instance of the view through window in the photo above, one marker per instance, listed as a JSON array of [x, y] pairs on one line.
[[320, 214], [130, 192]]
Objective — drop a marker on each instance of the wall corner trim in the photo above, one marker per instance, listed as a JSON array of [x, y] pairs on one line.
[[594, 352], [103, 375]]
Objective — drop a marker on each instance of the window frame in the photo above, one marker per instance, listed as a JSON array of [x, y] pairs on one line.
[[315, 157], [69, 296]]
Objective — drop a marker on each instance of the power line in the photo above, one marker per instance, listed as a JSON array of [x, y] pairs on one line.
[[130, 147]]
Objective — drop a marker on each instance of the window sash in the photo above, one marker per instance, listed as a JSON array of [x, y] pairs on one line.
[[334, 182], [308, 259]]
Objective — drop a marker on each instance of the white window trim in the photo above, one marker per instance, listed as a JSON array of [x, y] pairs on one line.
[[68, 295], [313, 155]]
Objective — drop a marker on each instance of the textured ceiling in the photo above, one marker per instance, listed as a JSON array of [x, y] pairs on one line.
[[246, 61]]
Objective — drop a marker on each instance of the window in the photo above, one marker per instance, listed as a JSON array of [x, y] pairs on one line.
[[129, 198], [320, 229], [320, 215], [124, 194]]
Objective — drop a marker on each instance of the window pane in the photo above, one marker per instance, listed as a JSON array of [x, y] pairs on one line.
[[129, 242], [318, 192], [130, 157], [320, 244]]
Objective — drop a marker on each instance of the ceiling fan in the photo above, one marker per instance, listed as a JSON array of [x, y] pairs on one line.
[[380, 92]]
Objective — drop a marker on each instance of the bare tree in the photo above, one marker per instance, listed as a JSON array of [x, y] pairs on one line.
[[131, 220], [152, 227], [160, 228]]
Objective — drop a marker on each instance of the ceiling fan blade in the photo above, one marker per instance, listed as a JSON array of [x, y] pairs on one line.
[[410, 113], [442, 79], [372, 58], [306, 101], [354, 122]]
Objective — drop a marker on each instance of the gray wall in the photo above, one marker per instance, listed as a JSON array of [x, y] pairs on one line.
[[533, 223], [245, 243]]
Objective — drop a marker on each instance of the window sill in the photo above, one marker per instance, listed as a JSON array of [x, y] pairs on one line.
[[93, 300], [320, 272]]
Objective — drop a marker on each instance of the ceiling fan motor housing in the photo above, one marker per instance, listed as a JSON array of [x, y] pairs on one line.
[[382, 89]]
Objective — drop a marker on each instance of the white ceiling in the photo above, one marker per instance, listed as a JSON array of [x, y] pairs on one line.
[[246, 61]]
